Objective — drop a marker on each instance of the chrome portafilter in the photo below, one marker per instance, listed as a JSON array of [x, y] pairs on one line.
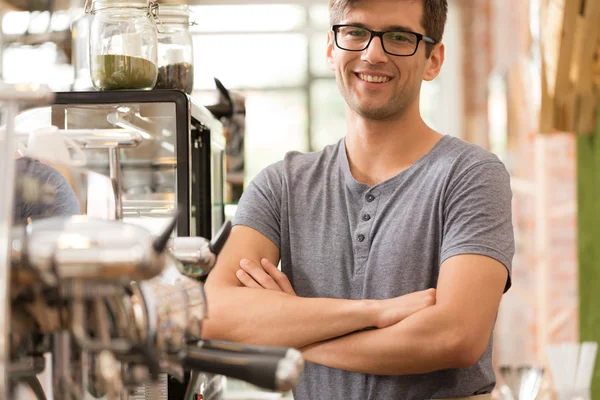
[[196, 255], [64, 249]]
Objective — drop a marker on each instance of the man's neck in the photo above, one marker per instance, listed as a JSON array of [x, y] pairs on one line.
[[379, 150]]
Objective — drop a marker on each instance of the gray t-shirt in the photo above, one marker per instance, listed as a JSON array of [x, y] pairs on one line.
[[41, 192], [339, 238]]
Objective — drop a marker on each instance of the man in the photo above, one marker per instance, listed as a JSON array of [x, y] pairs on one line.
[[395, 244], [41, 192]]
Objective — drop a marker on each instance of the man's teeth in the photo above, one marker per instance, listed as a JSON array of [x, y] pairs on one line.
[[375, 79]]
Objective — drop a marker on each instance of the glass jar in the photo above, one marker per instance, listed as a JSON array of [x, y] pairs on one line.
[[123, 44], [175, 49]]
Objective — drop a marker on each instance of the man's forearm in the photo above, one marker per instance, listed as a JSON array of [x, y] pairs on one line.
[[424, 342], [266, 317]]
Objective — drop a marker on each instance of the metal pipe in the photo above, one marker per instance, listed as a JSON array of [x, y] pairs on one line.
[[189, 390], [11, 96], [7, 165], [173, 369], [27, 366], [79, 326], [116, 345], [103, 330], [107, 362], [99, 138], [114, 163], [62, 382], [103, 138], [132, 122], [36, 387]]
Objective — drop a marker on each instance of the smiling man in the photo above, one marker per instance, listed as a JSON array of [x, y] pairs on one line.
[[395, 243]]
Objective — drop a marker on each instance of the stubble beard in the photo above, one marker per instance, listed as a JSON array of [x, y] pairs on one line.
[[396, 106]]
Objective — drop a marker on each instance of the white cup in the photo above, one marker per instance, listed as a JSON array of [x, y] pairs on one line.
[[49, 144]]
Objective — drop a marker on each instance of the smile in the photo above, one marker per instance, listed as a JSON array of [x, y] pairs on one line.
[[373, 78]]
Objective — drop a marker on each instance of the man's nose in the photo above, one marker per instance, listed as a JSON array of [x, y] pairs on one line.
[[374, 54]]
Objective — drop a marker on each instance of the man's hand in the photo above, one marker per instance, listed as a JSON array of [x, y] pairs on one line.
[[266, 276], [390, 311]]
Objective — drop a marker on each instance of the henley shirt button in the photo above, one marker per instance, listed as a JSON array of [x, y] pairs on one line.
[[366, 217], [370, 198], [361, 238]]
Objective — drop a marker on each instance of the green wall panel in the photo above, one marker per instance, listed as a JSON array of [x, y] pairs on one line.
[[588, 193]]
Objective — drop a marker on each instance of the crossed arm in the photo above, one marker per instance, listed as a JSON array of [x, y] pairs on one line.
[[453, 333], [417, 333]]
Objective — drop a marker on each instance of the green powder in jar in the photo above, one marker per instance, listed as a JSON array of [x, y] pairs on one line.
[[116, 71]]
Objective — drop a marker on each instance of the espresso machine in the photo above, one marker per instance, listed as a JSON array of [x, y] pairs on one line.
[[115, 294]]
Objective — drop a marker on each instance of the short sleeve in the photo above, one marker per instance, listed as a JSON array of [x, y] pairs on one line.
[[66, 202], [477, 215], [260, 205], [52, 197]]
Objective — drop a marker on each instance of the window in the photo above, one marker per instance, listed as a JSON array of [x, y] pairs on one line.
[[250, 60], [276, 123], [37, 64], [248, 18], [328, 120]]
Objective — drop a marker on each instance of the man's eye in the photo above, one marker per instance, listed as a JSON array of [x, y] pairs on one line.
[[399, 38], [358, 33]]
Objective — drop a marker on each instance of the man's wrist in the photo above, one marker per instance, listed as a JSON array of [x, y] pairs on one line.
[[371, 310]]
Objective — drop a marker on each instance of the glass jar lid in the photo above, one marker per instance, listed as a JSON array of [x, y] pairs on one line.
[[95, 5], [174, 14]]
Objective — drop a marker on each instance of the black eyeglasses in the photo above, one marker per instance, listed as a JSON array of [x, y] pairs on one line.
[[395, 43]]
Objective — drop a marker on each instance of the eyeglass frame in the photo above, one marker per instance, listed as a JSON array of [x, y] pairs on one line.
[[379, 34]]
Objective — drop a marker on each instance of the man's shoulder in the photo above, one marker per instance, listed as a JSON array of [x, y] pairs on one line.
[[44, 173], [32, 172], [32, 167], [296, 160], [459, 156], [468, 153]]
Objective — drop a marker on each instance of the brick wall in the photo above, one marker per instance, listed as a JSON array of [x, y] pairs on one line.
[[541, 307]]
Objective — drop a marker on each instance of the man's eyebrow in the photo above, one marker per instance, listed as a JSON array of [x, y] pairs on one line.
[[387, 28], [398, 28]]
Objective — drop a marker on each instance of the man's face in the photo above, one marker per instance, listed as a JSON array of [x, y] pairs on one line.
[[402, 76]]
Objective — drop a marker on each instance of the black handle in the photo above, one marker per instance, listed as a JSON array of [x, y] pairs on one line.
[[225, 108], [160, 243], [242, 348], [220, 110], [225, 93], [269, 372], [217, 243]]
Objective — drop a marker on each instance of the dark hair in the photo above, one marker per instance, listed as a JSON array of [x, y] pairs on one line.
[[435, 14]]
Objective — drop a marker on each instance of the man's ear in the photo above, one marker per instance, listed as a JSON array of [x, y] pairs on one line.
[[330, 49], [434, 62]]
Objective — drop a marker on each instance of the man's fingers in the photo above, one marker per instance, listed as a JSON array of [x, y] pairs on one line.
[[246, 279], [259, 275], [279, 277]]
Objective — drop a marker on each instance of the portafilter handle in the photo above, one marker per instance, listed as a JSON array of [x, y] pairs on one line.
[[218, 242], [267, 371], [275, 351], [196, 254]]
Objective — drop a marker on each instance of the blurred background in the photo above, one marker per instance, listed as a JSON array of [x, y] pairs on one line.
[[521, 79]]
